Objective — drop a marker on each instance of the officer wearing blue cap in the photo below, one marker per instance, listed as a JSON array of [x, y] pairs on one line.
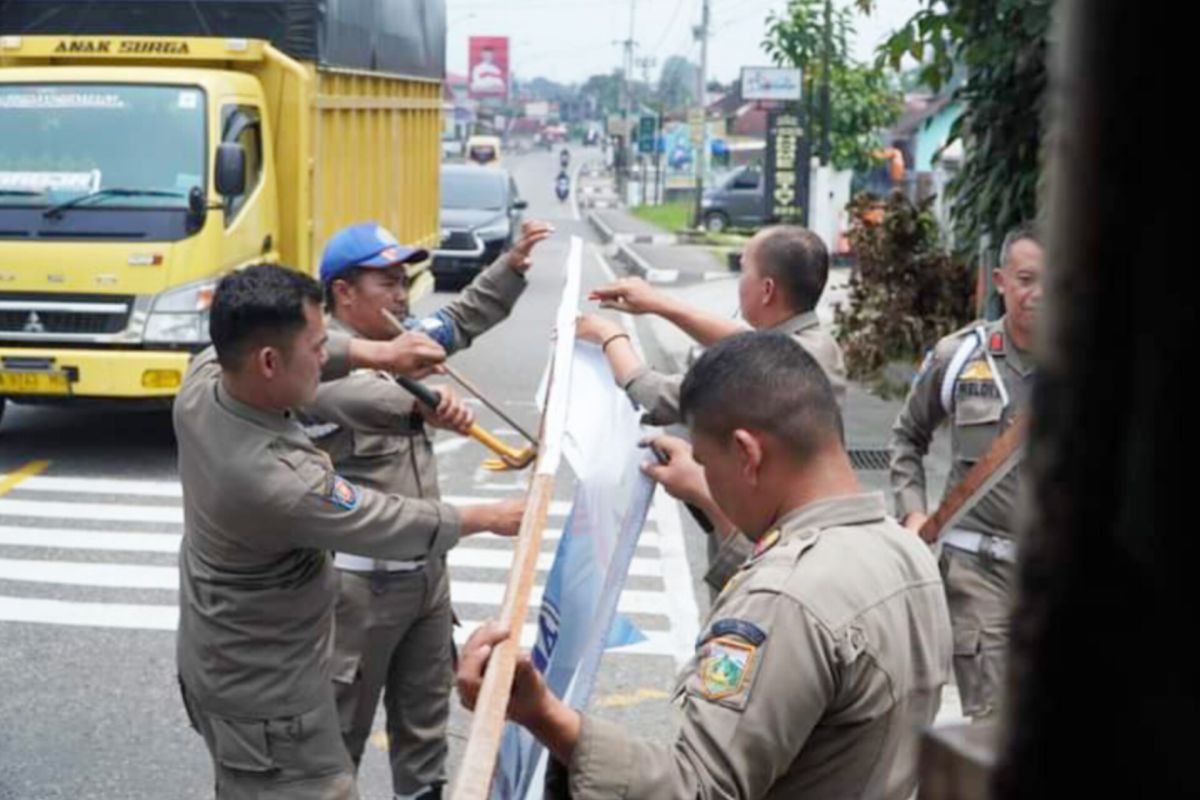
[[393, 619]]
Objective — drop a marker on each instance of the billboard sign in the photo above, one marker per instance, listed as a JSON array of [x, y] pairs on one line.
[[487, 74], [770, 83]]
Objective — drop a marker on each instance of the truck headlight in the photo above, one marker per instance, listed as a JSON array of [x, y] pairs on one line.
[[180, 316]]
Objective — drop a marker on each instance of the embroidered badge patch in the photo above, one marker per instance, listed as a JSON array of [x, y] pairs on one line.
[[343, 493], [724, 667], [977, 371], [741, 628]]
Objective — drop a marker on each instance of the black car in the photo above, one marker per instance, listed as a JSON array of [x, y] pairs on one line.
[[481, 212], [736, 200]]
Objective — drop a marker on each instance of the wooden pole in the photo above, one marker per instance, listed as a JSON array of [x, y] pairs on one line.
[[474, 779], [483, 742], [1002, 449]]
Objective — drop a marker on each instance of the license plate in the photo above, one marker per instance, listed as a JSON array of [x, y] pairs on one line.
[[34, 383]]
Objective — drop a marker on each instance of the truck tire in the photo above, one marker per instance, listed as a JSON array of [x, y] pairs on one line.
[[715, 222]]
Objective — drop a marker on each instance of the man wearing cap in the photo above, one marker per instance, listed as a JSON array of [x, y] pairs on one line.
[[393, 620]]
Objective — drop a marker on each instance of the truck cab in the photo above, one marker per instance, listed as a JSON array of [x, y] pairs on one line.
[[136, 171], [112, 226]]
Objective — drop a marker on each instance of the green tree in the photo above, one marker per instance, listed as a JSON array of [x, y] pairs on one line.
[[999, 48], [907, 291], [677, 84], [862, 99], [605, 91]]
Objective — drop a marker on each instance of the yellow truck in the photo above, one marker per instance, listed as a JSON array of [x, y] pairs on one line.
[[147, 148]]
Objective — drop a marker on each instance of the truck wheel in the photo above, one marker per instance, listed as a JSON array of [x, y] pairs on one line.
[[715, 222]]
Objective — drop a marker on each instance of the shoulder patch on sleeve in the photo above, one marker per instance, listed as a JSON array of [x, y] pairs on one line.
[[725, 665], [738, 627], [342, 493]]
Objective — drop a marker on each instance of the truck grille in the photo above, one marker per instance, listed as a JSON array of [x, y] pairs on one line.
[[71, 314]]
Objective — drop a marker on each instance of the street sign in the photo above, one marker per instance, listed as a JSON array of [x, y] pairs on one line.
[[786, 174], [770, 83], [647, 128]]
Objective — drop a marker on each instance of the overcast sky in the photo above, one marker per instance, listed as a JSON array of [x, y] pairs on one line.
[[568, 40]]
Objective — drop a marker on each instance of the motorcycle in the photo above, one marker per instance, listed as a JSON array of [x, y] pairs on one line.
[[562, 187], [564, 158]]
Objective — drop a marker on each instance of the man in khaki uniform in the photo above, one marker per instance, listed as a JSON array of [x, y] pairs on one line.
[[824, 656], [262, 506], [784, 271], [980, 380], [393, 623]]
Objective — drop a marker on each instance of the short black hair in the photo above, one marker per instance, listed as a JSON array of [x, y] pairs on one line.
[[765, 381], [350, 276], [797, 259], [259, 305]]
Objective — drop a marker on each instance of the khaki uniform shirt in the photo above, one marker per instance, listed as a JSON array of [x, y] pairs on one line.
[[368, 424], [992, 387], [659, 393], [262, 506], [818, 667]]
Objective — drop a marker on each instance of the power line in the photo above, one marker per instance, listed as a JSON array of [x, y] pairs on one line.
[[509, 5], [670, 25]]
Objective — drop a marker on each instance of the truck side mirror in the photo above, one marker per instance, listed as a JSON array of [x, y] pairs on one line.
[[231, 169]]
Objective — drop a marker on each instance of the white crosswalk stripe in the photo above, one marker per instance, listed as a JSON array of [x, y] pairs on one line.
[[43, 547], [74, 549]]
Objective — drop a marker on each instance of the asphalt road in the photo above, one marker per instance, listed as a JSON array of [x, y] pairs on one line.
[[89, 706]]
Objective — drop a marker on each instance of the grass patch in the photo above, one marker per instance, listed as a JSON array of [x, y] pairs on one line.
[[669, 216]]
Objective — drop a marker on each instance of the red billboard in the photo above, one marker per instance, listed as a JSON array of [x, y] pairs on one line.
[[487, 74]]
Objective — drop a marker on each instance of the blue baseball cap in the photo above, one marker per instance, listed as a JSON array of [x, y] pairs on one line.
[[367, 244]]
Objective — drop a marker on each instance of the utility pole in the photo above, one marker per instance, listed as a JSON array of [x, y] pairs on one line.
[[629, 64], [627, 100], [646, 63], [702, 80], [826, 113]]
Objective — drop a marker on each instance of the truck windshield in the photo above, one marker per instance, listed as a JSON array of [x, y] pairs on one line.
[[61, 141]]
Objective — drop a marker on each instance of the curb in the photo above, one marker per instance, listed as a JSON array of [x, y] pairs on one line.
[[638, 266], [607, 235], [648, 238]]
